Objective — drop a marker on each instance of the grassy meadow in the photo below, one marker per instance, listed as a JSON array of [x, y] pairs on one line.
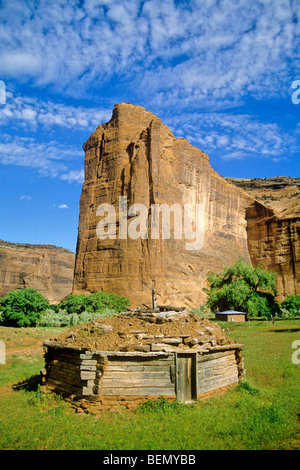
[[262, 413]]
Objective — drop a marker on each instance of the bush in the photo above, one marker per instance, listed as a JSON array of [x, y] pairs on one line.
[[203, 311], [291, 304], [94, 303], [61, 318], [22, 307]]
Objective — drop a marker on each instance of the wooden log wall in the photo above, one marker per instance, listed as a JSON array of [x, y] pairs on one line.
[[82, 372], [138, 375], [217, 370], [73, 371]]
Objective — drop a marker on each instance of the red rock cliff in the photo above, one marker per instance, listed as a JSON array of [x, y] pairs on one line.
[[47, 268], [136, 156]]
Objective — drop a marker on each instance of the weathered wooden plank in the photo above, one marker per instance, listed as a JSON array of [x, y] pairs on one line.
[[72, 358], [137, 382], [71, 366], [65, 376], [144, 359], [89, 362], [72, 383], [217, 372], [218, 369], [125, 368], [212, 364], [136, 368], [64, 387], [55, 368], [137, 354], [217, 381], [214, 385], [213, 356], [64, 365], [217, 365], [66, 379], [87, 375], [220, 360], [151, 363], [89, 368], [154, 391], [226, 347], [136, 374]]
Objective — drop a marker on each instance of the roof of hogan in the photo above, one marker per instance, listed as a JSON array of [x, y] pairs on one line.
[[145, 330], [230, 312]]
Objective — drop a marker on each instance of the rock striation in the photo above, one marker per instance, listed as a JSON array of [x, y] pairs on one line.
[[280, 193], [136, 157], [47, 268], [275, 242]]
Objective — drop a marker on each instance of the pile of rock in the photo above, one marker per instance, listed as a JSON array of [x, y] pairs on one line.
[[146, 330]]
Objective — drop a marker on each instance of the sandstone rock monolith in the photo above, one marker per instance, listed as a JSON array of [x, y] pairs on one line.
[[137, 157]]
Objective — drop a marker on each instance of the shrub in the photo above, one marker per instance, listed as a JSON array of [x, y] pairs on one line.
[[291, 304], [61, 318], [54, 319], [22, 307], [203, 311], [94, 303]]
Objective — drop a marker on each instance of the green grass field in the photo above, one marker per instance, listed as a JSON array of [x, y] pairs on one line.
[[261, 414]]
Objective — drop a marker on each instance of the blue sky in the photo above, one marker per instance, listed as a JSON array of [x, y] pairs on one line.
[[217, 72]]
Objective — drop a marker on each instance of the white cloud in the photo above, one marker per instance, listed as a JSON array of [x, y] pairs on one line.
[[35, 112], [50, 159], [73, 176], [20, 63], [234, 136], [25, 197], [63, 206], [189, 55], [202, 48]]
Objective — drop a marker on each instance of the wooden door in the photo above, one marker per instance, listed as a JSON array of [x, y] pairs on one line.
[[186, 377]]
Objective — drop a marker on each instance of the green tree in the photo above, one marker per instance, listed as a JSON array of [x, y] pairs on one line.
[[292, 304], [22, 307], [243, 288], [94, 303]]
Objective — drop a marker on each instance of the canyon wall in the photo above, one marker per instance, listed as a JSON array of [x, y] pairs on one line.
[[274, 243], [135, 156], [47, 268]]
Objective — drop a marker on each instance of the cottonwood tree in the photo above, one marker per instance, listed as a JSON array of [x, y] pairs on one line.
[[243, 288]]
